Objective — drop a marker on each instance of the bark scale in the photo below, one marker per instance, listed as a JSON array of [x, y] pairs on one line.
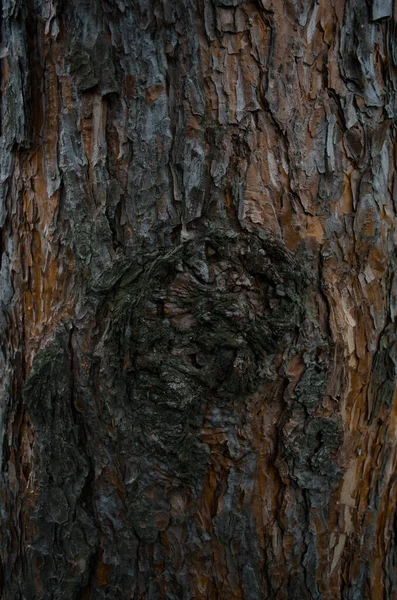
[[198, 299]]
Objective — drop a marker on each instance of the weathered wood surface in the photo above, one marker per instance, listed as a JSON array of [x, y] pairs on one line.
[[198, 205]]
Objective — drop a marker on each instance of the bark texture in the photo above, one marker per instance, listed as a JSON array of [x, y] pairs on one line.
[[198, 299]]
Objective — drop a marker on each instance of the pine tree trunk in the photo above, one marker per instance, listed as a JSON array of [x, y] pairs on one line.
[[198, 292]]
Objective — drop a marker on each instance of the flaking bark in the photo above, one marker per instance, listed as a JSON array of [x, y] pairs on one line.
[[198, 299]]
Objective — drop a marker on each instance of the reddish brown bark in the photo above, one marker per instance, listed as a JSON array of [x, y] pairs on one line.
[[198, 299]]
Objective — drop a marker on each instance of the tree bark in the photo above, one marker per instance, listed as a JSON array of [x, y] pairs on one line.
[[198, 299]]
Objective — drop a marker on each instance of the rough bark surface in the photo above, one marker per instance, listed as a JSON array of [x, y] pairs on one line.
[[198, 294]]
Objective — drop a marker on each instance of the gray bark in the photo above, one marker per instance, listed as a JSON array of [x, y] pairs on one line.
[[198, 299]]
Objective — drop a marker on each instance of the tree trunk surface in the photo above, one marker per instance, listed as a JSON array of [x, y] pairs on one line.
[[198, 296]]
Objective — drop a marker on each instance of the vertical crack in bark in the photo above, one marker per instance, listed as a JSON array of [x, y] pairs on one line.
[[197, 307]]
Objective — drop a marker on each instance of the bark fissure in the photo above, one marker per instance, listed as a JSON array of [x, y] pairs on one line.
[[197, 299]]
